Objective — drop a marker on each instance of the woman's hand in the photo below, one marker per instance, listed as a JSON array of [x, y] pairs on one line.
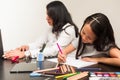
[[12, 53], [23, 48], [62, 57]]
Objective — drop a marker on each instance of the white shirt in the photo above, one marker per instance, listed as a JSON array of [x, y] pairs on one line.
[[65, 38], [90, 50]]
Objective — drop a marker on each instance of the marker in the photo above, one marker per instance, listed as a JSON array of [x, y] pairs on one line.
[[15, 59], [59, 48], [88, 69], [71, 74], [78, 76], [43, 47], [65, 75], [35, 74]]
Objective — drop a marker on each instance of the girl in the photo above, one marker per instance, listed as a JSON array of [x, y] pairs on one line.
[[63, 31], [96, 42]]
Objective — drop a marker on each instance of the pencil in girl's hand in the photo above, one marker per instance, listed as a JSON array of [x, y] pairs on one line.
[[59, 48]]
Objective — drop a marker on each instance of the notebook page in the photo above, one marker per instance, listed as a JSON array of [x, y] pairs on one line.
[[73, 62]]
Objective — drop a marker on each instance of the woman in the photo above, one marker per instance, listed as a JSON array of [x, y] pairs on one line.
[[63, 31], [96, 42]]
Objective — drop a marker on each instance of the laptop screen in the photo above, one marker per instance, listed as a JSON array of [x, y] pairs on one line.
[[1, 45]]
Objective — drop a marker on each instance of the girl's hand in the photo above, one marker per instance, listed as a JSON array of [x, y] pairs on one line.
[[61, 57]]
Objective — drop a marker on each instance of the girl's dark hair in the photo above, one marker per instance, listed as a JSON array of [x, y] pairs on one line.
[[60, 16], [102, 28]]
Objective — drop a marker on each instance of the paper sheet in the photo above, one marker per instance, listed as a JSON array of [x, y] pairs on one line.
[[73, 62]]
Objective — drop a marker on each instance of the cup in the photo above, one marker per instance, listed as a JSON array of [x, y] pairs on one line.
[[40, 56]]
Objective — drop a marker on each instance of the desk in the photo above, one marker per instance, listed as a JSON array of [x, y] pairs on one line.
[[5, 67]]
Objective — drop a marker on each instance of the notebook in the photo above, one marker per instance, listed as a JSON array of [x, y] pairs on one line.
[[1, 46], [24, 67], [79, 63]]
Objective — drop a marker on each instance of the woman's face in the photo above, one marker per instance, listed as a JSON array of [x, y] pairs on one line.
[[87, 34], [49, 20]]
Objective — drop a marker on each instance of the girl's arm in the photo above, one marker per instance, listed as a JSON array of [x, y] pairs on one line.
[[65, 52], [113, 60], [114, 53], [109, 61]]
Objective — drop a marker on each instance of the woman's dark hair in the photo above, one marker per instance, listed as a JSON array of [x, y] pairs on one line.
[[102, 28], [60, 16]]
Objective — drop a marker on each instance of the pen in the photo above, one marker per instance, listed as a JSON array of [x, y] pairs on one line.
[[88, 69], [43, 47], [59, 48], [47, 75]]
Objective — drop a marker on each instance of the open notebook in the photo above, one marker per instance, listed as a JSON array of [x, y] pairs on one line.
[[75, 63]]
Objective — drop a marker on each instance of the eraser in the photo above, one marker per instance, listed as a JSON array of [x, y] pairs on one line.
[[35, 74]]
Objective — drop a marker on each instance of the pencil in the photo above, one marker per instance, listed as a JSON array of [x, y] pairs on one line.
[[88, 69], [59, 48], [57, 65], [44, 70], [60, 52]]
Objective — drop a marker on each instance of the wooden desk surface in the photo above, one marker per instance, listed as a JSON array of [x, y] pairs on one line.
[[5, 67]]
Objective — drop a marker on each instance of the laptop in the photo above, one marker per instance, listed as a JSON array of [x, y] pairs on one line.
[[24, 67], [1, 46]]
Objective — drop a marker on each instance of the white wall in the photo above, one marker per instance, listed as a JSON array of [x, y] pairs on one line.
[[23, 21]]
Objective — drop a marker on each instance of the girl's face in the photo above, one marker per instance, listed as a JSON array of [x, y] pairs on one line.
[[87, 34], [49, 20]]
